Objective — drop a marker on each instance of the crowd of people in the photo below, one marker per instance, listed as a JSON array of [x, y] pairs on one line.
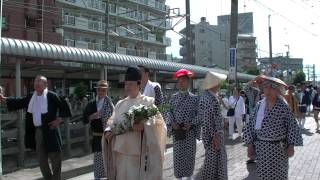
[[267, 114]]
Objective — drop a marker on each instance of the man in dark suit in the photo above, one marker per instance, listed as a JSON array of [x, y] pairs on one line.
[[45, 110]]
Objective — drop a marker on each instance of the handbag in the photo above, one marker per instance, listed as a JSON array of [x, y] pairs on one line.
[[179, 134], [231, 111]]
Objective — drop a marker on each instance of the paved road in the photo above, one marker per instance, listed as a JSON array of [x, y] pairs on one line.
[[305, 165]]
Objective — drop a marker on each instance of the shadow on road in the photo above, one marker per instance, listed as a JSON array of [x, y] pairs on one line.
[[233, 141]]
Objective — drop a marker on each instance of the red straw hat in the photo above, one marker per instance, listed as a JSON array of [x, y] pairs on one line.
[[182, 72]]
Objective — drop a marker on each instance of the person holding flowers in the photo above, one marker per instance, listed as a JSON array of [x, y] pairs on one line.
[[183, 124], [135, 137]]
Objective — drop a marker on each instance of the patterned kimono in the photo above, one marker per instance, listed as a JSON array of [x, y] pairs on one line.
[[215, 164], [253, 95], [184, 151], [97, 128], [278, 130]]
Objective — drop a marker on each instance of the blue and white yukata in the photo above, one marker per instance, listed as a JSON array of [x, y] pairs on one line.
[[271, 131], [215, 163], [184, 110]]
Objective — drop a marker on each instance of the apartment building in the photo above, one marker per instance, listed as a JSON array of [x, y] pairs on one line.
[[136, 27], [210, 43]]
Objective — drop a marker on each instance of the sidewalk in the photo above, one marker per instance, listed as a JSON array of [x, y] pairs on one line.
[[304, 165]]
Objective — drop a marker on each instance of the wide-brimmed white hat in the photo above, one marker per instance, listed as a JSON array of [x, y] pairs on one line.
[[212, 79]]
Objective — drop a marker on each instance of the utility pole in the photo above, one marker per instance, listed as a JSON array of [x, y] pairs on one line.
[[314, 74], [190, 59], [42, 21], [106, 29], [270, 46], [233, 40], [103, 72], [188, 34], [308, 71]]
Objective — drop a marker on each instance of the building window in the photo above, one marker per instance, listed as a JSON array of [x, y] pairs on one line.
[[202, 31], [30, 23], [4, 23]]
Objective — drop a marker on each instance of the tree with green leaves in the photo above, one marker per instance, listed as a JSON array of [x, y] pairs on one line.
[[299, 78], [81, 90], [253, 71]]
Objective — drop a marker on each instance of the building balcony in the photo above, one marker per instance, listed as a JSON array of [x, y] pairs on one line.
[[82, 44], [142, 36], [154, 21], [123, 12], [95, 5], [154, 5], [83, 24], [152, 55], [121, 50]]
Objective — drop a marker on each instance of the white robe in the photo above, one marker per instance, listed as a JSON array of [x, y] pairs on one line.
[[126, 157]]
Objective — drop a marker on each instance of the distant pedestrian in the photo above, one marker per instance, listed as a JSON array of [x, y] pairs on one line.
[[272, 132], [236, 102], [215, 163], [292, 101], [304, 101], [223, 99], [316, 106]]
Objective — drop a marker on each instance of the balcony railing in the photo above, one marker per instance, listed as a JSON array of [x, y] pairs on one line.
[[119, 50], [95, 5], [83, 23], [153, 4]]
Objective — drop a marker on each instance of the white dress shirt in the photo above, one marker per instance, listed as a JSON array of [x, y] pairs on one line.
[[239, 107]]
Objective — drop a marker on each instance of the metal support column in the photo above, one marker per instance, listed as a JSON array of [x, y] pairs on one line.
[[1, 2], [104, 73], [234, 36], [20, 122], [155, 76], [270, 47]]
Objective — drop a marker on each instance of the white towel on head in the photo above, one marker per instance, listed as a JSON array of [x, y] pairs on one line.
[[260, 114], [43, 104]]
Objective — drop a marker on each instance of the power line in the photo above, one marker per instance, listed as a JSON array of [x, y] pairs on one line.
[[300, 5], [284, 17]]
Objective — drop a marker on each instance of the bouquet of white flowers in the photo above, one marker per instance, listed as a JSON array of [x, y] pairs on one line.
[[136, 114]]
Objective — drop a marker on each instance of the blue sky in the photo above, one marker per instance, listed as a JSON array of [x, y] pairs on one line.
[[294, 22]]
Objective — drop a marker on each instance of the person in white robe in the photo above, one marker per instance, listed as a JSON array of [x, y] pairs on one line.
[[136, 154], [150, 88]]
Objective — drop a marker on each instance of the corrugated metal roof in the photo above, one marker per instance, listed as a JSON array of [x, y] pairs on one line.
[[23, 48]]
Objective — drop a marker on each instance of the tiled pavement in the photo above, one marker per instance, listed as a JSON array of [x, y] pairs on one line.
[[304, 165]]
